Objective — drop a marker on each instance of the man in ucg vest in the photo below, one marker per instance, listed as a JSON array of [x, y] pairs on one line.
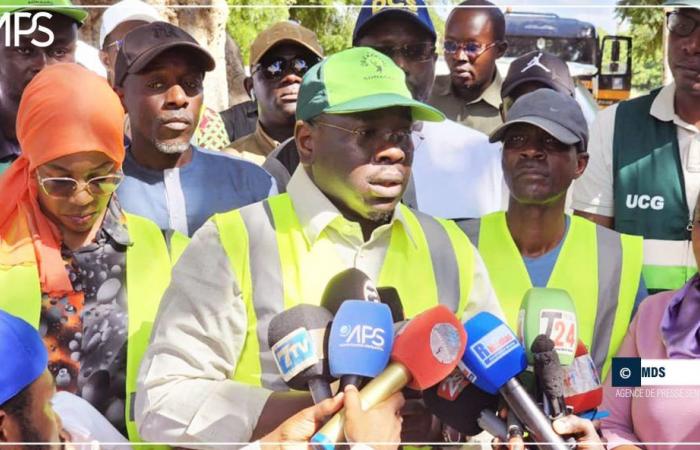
[[535, 244], [645, 161], [209, 375]]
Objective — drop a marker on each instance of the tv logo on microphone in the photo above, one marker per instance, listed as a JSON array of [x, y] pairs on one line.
[[25, 23], [364, 336], [294, 353], [494, 345]]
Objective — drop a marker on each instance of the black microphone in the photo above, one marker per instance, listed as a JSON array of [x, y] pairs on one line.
[[550, 377], [390, 297], [458, 403], [298, 338]]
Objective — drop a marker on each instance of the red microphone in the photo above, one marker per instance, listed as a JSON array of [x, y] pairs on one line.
[[582, 389], [425, 351]]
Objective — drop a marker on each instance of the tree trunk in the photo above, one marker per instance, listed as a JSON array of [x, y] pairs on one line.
[[205, 20]]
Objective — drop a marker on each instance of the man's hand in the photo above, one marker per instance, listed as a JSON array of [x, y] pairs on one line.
[[379, 424], [301, 426], [583, 431]]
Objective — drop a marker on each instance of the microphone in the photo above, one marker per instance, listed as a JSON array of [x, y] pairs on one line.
[[297, 339], [390, 297], [582, 389], [549, 376], [494, 358], [425, 351], [361, 338], [458, 403], [550, 312]]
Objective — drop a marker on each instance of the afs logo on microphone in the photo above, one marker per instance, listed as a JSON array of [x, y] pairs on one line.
[[364, 336], [295, 353], [494, 345], [24, 23]]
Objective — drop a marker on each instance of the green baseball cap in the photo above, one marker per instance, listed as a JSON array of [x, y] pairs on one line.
[[355, 80], [63, 7]]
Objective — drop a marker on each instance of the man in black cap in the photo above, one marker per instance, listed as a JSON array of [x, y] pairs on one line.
[[532, 71], [20, 61], [159, 74], [534, 244]]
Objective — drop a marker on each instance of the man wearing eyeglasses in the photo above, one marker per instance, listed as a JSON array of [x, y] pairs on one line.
[[644, 174], [474, 40], [279, 57], [451, 152], [21, 61], [159, 74], [210, 375]]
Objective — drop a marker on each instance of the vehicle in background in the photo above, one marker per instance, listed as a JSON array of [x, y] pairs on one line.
[[604, 68]]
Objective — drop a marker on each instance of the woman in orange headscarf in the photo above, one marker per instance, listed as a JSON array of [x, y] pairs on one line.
[[68, 251]]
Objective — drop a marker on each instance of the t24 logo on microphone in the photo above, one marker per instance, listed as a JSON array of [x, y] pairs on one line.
[[365, 336], [25, 23], [295, 353]]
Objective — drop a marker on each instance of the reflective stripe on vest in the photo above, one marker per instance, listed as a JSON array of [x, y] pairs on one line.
[[649, 191], [147, 276], [276, 269], [589, 252]]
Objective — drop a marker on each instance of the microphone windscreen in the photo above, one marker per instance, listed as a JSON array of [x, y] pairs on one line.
[[582, 388], [350, 284], [361, 338], [390, 297], [551, 312], [458, 403], [493, 355], [542, 343], [297, 338], [429, 346]]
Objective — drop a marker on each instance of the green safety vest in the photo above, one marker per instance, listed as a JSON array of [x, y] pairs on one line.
[[147, 275], [649, 193], [598, 267], [276, 268]]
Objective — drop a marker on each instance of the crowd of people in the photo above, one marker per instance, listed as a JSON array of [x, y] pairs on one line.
[[148, 241]]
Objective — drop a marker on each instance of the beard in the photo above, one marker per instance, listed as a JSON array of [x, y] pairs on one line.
[[380, 216], [171, 149]]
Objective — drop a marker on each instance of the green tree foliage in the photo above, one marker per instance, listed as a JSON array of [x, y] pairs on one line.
[[247, 18], [646, 29]]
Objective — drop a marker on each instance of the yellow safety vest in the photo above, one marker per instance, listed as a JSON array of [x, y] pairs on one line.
[[148, 274], [276, 268], [600, 269]]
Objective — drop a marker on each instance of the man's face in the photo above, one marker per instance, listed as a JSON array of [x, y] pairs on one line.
[[538, 168], [389, 35], [164, 100], [364, 176], [19, 64], [108, 53], [467, 25], [276, 90], [36, 422], [684, 56]]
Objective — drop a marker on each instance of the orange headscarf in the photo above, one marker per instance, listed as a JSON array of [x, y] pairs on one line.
[[65, 109]]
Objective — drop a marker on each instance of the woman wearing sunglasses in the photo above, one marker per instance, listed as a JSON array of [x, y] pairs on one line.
[[67, 250]]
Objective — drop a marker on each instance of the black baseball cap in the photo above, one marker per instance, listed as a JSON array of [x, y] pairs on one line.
[[143, 44], [554, 112], [542, 67]]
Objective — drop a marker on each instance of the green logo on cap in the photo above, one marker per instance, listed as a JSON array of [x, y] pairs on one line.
[[373, 61]]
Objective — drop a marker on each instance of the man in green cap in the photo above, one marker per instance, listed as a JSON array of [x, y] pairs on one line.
[[209, 375], [644, 172], [51, 41]]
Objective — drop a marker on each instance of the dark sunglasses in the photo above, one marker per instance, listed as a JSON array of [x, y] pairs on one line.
[[680, 24], [472, 49], [276, 68], [417, 52]]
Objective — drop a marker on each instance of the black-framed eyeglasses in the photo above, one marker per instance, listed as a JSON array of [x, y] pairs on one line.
[[680, 24], [422, 51], [118, 44], [471, 48], [276, 68], [406, 139], [66, 187]]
